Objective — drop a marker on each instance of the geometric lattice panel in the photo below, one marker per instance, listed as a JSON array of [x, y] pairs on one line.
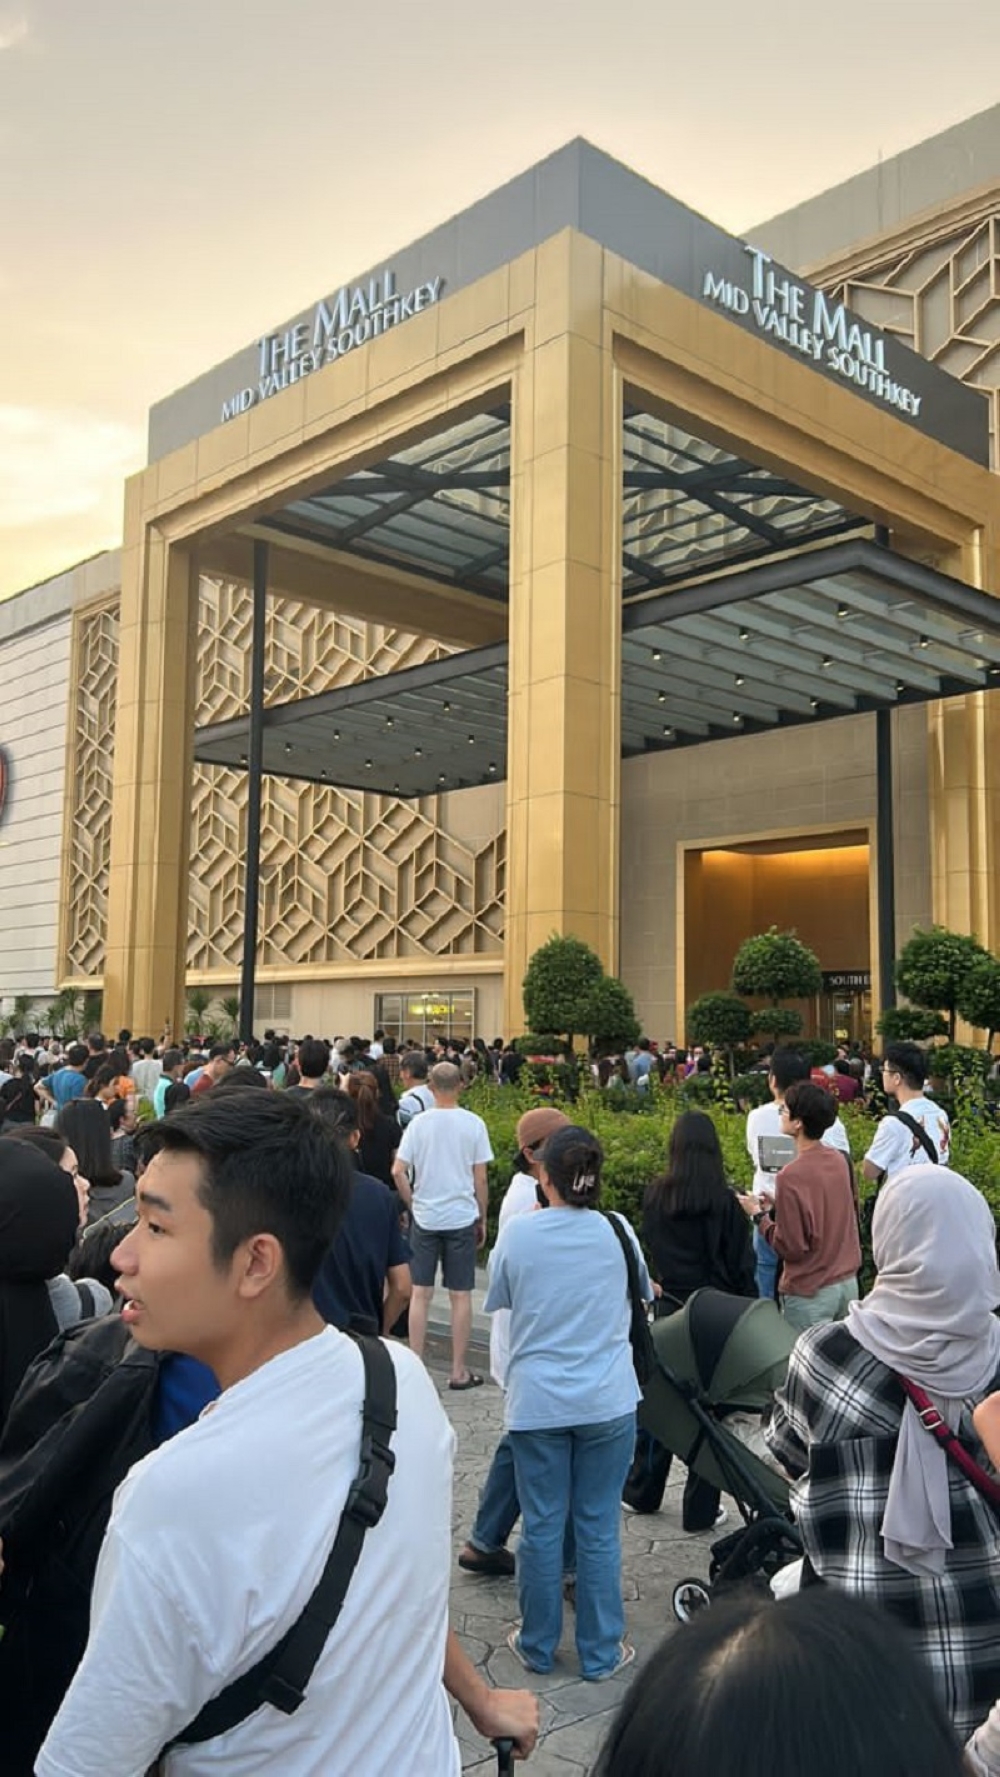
[[344, 876], [942, 297], [93, 719]]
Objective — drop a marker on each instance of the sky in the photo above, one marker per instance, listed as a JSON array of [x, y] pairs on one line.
[[179, 176]]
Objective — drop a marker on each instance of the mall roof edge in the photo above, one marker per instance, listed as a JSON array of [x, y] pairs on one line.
[[581, 187]]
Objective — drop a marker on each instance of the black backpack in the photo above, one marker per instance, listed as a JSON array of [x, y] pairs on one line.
[[81, 1418]]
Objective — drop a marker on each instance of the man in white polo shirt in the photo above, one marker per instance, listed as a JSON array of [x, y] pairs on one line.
[[918, 1133], [440, 1173]]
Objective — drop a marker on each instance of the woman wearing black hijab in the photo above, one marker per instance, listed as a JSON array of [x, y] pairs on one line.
[[39, 1216]]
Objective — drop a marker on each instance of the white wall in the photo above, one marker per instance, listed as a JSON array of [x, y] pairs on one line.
[[34, 677]]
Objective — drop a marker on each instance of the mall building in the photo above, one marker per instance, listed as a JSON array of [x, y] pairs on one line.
[[577, 568]]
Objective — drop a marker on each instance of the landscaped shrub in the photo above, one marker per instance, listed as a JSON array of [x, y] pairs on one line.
[[634, 1131]]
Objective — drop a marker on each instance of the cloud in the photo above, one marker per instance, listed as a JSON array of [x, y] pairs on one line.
[[13, 30], [60, 463]]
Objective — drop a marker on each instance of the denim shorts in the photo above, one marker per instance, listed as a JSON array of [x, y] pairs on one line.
[[454, 1247]]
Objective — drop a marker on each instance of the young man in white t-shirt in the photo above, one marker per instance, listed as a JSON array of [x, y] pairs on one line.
[[440, 1174], [896, 1144], [217, 1540]]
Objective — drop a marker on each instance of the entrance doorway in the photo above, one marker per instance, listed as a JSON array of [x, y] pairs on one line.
[[818, 885]]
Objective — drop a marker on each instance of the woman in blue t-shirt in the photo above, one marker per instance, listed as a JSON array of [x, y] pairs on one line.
[[570, 1404]]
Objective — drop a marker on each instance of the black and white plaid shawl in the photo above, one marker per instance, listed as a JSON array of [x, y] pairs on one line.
[[834, 1428]]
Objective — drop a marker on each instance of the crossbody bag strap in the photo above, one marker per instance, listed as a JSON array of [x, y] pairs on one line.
[[921, 1134], [640, 1337], [282, 1675], [932, 1421]]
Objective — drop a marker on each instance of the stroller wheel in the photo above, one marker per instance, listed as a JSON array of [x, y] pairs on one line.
[[688, 1598]]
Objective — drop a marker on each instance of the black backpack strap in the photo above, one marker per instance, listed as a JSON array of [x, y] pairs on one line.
[[921, 1134], [282, 1676]]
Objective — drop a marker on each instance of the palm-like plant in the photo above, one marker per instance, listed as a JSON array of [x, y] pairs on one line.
[[20, 1013], [230, 1004], [64, 1014], [199, 999]]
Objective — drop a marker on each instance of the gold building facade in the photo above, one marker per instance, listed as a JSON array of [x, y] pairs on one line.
[[367, 894]]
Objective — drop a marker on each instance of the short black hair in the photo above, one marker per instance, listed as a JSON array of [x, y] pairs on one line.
[[239, 1078], [908, 1060], [787, 1066], [819, 1683], [77, 1055], [218, 1050], [177, 1093], [313, 1058], [415, 1063], [813, 1106], [51, 1141], [172, 1058], [268, 1167]]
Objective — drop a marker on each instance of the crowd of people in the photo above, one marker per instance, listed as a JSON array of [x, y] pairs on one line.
[[203, 1468]]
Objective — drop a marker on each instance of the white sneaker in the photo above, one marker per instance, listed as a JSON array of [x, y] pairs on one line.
[[721, 1517]]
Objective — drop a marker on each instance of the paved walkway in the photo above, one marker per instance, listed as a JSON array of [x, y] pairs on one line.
[[656, 1554]]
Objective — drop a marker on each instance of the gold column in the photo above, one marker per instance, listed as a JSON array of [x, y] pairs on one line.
[[964, 783], [964, 737], [563, 764], [154, 744]]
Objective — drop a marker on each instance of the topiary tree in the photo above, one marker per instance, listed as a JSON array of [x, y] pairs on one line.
[[560, 978], [776, 966], [932, 966], [776, 1021], [979, 996], [910, 1024], [609, 1018], [720, 1021]]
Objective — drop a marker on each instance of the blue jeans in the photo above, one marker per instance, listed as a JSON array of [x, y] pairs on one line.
[[499, 1506], [574, 1473], [765, 1266]]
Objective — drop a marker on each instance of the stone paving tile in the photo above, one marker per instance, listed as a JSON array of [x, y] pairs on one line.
[[656, 1553]]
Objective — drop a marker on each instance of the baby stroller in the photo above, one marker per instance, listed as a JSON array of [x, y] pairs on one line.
[[719, 1359]]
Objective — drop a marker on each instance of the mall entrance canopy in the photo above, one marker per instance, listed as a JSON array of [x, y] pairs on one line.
[[829, 631], [643, 489]]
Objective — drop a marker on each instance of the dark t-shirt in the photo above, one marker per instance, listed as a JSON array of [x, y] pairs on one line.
[[351, 1278], [377, 1147]]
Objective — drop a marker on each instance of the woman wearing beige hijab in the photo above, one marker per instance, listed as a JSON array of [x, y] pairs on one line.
[[884, 1511]]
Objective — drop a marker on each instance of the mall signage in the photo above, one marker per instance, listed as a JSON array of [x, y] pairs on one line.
[[810, 322], [847, 980], [338, 324]]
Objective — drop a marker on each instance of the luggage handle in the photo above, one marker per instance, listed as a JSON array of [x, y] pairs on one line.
[[505, 1757]]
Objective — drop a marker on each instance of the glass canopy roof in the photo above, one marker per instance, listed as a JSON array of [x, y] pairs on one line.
[[442, 508], [832, 631]]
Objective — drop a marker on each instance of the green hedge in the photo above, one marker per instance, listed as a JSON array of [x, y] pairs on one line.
[[634, 1130]]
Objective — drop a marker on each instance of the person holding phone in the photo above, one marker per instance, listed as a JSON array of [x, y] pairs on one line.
[[812, 1221]]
